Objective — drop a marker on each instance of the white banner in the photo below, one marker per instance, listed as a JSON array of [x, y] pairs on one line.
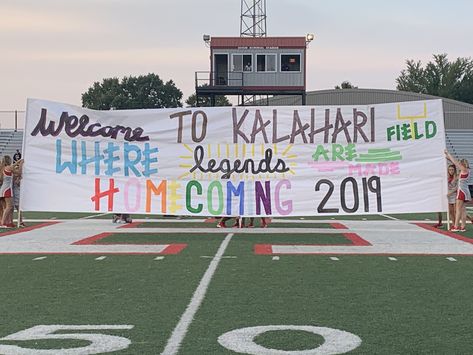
[[228, 161]]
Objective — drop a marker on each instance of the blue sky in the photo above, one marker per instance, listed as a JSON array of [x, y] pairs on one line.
[[56, 49]]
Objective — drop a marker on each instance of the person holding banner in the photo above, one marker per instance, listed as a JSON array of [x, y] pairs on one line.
[[463, 192], [6, 191], [451, 195], [16, 185]]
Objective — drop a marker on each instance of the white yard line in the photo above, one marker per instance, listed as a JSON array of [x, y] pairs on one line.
[[40, 258], [392, 258], [334, 258], [95, 215], [101, 258], [178, 334], [385, 215], [451, 259]]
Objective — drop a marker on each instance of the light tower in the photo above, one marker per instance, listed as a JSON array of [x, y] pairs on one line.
[[253, 18], [253, 24]]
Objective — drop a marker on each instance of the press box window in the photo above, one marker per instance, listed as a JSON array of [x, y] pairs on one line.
[[290, 62], [266, 62], [242, 62]]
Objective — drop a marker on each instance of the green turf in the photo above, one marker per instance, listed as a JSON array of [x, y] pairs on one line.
[[176, 225], [417, 305], [419, 216], [136, 290], [300, 225], [289, 340], [55, 215], [27, 224], [246, 240], [370, 217]]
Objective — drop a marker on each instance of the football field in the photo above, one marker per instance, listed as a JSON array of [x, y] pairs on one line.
[[78, 284]]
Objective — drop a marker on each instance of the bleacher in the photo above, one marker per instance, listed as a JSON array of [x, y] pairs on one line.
[[10, 141], [460, 144]]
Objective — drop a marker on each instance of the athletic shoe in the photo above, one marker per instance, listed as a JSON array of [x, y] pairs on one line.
[[250, 225], [221, 225], [438, 225], [462, 229], [10, 225], [454, 229]]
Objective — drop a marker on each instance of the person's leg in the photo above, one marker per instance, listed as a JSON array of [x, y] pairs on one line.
[[458, 213], [451, 210], [264, 224], [7, 212], [221, 224], [463, 216], [439, 223], [2, 207]]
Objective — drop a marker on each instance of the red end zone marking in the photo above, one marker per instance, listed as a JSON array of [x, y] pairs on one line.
[[27, 229], [446, 233], [130, 225], [355, 239], [170, 249], [337, 225], [92, 239], [173, 249]]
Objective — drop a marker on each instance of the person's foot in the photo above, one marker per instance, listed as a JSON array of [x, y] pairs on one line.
[[470, 218], [264, 224], [10, 225], [221, 225], [462, 229], [455, 229], [250, 225], [22, 225], [438, 225]]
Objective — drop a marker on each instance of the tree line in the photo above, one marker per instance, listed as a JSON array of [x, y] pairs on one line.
[[439, 77]]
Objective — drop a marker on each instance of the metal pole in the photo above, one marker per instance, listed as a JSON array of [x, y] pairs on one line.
[[16, 120]]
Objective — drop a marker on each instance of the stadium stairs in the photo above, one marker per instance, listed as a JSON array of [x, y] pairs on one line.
[[10, 141]]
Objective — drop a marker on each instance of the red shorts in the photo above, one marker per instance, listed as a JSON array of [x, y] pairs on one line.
[[7, 193], [461, 195]]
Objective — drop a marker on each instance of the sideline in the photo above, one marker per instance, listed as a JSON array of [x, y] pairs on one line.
[[95, 215], [178, 334]]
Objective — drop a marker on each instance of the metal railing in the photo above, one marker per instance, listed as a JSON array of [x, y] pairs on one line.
[[248, 78], [207, 78], [12, 119]]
